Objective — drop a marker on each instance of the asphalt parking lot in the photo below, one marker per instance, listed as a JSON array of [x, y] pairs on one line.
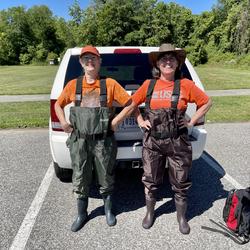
[[37, 209]]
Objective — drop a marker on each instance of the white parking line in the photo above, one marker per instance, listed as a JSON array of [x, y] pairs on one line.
[[24, 231], [221, 171]]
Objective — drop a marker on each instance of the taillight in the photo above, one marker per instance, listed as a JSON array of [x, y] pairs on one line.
[[127, 51], [55, 123]]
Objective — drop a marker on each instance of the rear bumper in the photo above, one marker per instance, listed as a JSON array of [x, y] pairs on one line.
[[132, 150], [127, 150]]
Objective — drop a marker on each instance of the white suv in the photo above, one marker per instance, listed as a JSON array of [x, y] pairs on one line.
[[130, 67]]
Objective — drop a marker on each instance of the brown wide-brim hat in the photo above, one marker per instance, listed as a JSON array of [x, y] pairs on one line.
[[165, 48]]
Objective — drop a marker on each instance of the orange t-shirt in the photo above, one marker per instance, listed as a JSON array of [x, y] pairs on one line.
[[115, 92], [161, 96]]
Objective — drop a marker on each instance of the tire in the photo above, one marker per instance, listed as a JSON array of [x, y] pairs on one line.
[[63, 174]]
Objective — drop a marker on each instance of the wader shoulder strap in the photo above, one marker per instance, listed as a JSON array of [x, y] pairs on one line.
[[103, 93], [150, 92], [78, 91], [175, 94]]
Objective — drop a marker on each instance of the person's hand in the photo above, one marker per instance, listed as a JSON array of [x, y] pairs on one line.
[[67, 128], [145, 124], [189, 124]]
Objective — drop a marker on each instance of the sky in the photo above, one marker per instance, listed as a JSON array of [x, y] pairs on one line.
[[60, 7]]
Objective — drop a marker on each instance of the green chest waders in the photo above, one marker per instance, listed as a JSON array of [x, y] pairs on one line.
[[92, 144], [166, 142]]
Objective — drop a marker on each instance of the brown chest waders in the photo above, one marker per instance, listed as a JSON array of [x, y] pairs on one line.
[[166, 142], [92, 144]]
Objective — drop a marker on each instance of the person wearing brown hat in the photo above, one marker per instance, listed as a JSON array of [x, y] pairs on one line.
[[165, 140], [91, 143]]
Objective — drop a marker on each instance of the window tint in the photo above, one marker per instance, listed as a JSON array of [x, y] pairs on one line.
[[74, 69], [127, 69], [185, 72]]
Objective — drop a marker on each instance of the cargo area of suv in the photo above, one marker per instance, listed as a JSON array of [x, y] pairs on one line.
[[130, 67]]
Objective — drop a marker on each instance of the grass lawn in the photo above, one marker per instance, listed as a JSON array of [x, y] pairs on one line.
[[38, 80], [21, 80], [24, 114], [229, 109], [36, 114], [216, 77]]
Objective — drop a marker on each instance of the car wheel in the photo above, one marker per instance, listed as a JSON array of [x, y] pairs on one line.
[[63, 174]]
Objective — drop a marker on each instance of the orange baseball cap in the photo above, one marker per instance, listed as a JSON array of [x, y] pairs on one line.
[[89, 49]]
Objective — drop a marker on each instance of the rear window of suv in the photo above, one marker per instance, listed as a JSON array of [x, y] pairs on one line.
[[127, 69]]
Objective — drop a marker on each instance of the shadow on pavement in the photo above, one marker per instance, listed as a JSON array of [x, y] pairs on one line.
[[129, 196]]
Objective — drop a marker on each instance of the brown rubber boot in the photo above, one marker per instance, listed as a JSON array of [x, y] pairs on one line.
[[149, 218], [181, 208]]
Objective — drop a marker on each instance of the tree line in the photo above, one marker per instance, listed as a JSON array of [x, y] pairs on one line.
[[35, 35]]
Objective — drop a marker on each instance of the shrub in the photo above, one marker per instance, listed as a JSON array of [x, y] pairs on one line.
[[220, 57], [197, 54], [40, 54], [25, 58], [52, 57], [244, 60]]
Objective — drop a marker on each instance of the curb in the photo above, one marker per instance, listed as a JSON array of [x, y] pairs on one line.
[[24, 98]]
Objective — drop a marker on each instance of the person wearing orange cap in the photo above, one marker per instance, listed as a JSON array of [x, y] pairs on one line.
[[166, 129], [91, 143]]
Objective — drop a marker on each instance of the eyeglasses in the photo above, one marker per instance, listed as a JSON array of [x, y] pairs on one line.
[[87, 58], [166, 59]]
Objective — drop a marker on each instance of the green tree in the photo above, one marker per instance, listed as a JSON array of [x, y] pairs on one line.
[[170, 23], [22, 30], [124, 22], [242, 30], [43, 27], [17, 33], [232, 26], [76, 13], [65, 33], [115, 19], [7, 52]]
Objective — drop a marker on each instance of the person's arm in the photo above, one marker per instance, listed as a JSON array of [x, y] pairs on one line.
[[61, 116], [126, 112], [141, 122], [199, 113], [130, 107]]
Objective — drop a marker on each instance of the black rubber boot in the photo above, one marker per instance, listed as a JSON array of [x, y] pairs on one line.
[[82, 205], [110, 217], [148, 220], [181, 208]]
